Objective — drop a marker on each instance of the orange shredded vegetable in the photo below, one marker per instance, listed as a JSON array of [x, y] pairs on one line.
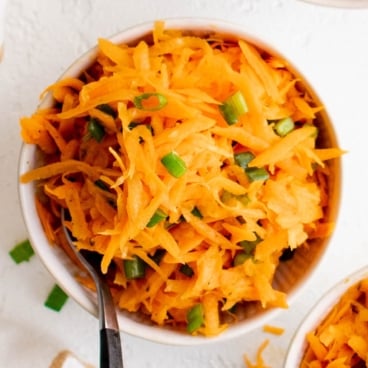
[[273, 329], [341, 339], [260, 363], [103, 148]]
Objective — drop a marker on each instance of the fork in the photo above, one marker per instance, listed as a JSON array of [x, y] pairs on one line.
[[110, 344]]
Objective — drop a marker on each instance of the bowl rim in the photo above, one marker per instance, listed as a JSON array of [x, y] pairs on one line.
[[53, 259], [348, 4], [317, 314]]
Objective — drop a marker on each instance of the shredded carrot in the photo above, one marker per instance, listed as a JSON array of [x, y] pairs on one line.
[[259, 360], [340, 340], [103, 143], [273, 329]]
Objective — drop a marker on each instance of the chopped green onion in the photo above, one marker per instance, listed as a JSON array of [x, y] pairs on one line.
[[157, 217], [242, 159], [257, 173], [186, 270], [56, 299], [231, 199], [228, 114], [227, 197], [196, 212], [284, 126], [174, 164], [107, 109], [160, 101], [95, 129], [23, 251], [240, 258], [250, 245], [233, 107], [134, 268], [243, 199], [195, 318]]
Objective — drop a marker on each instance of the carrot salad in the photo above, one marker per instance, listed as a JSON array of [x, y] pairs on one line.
[[341, 339], [190, 164]]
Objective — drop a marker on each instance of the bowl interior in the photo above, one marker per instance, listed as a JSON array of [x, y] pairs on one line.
[[290, 275]]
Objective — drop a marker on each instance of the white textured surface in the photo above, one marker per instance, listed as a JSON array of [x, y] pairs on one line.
[[43, 37], [2, 20]]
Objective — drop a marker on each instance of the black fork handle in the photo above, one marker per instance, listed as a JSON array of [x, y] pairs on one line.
[[110, 349]]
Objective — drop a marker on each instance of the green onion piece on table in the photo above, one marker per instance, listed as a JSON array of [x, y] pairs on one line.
[[157, 217], [195, 318], [134, 268], [150, 101], [56, 299], [233, 107], [174, 164], [96, 130], [23, 251], [284, 126]]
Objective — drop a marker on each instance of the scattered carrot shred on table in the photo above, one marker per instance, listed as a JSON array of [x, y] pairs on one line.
[[260, 363], [273, 329], [341, 339], [151, 134]]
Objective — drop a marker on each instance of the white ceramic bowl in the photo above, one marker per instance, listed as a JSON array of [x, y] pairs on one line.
[[318, 312], [290, 276], [340, 3]]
